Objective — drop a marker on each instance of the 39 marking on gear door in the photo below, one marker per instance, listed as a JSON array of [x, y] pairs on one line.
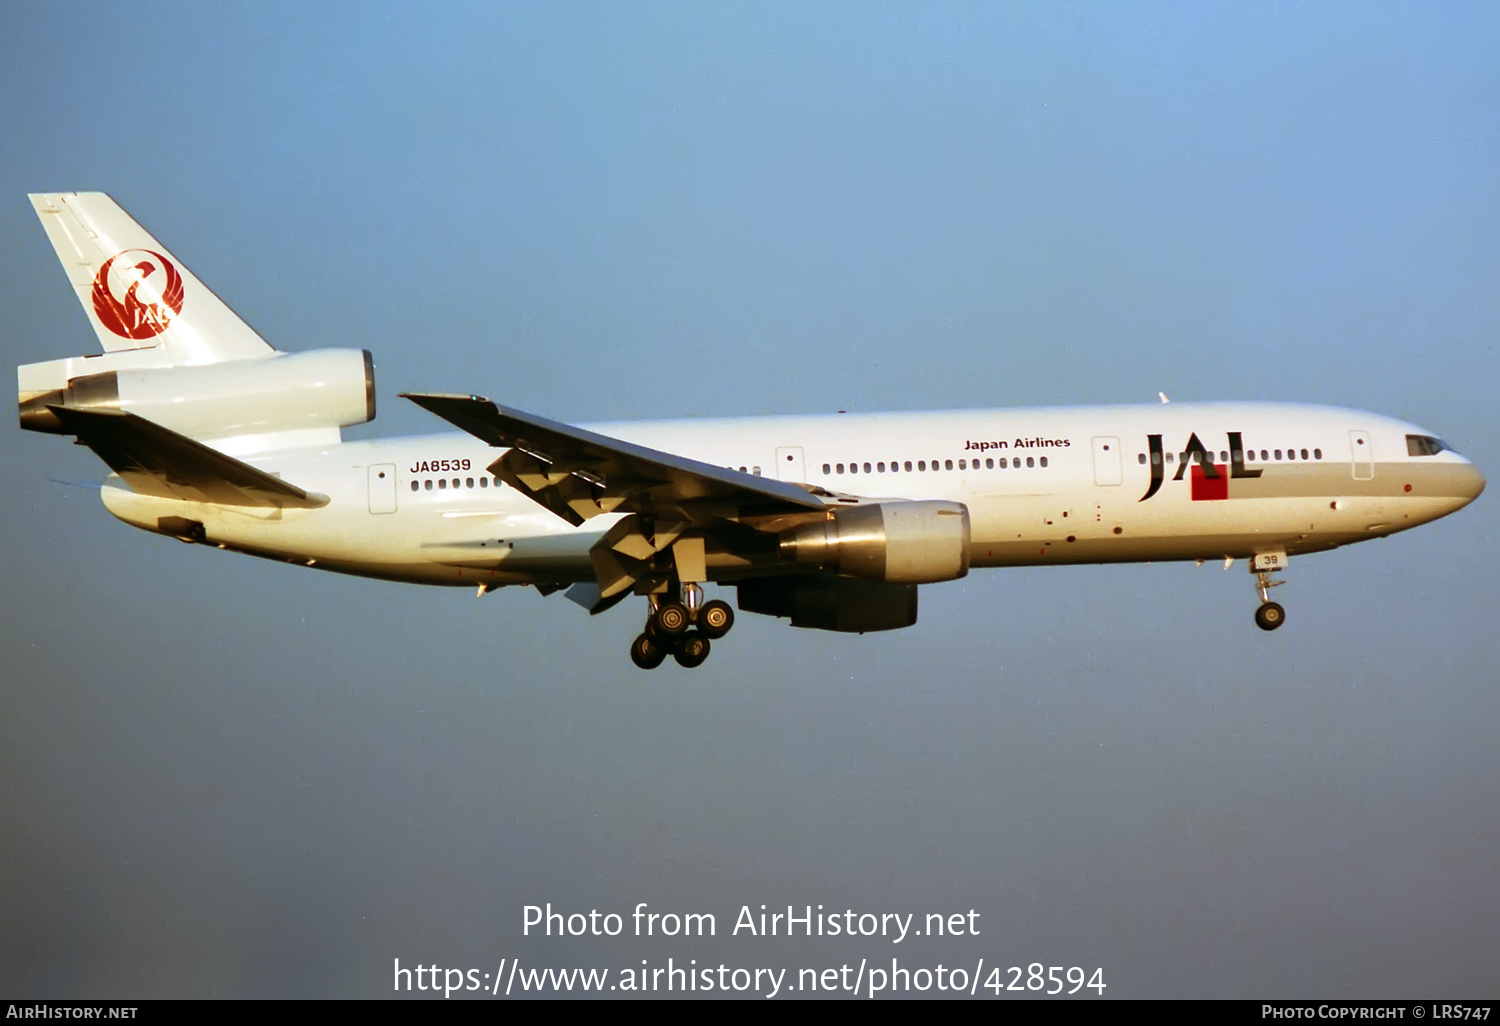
[[137, 293]]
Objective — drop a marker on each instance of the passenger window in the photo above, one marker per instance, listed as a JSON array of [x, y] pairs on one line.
[[908, 464], [755, 471], [989, 464], [948, 464], [468, 482], [1317, 454], [1044, 463], [880, 467], [1030, 462], [746, 470], [442, 482], [1304, 454], [1003, 464], [1239, 457], [1142, 458], [1223, 457], [484, 482], [497, 482], [961, 465], [1277, 453], [1169, 457], [414, 486], [827, 470], [838, 467], [1264, 456], [867, 468]]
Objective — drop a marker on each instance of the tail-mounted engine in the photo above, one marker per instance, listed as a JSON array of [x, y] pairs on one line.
[[325, 388]]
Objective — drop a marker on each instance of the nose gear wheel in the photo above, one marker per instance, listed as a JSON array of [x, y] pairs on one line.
[[1270, 616]]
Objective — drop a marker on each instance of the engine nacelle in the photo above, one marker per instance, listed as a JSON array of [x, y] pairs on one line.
[[832, 603], [896, 542], [325, 388]]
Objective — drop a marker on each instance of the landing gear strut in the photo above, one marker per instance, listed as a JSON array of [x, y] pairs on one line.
[[1270, 615], [681, 629]]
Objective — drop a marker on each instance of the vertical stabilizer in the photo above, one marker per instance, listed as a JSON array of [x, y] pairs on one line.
[[135, 293]]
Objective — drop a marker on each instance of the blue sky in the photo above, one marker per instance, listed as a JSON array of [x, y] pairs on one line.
[[231, 777]]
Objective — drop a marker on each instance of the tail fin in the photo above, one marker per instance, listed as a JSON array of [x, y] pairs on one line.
[[135, 293]]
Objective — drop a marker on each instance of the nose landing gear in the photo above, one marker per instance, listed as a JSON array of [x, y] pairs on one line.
[[1270, 615]]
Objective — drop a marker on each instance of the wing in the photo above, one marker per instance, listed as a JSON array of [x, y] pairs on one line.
[[675, 503], [578, 474], [157, 461]]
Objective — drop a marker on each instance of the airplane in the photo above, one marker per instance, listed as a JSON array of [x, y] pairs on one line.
[[832, 521]]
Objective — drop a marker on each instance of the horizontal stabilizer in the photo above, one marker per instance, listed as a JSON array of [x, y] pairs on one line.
[[156, 461]]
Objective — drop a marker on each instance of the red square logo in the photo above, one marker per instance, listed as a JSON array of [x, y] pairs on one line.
[[1205, 487]]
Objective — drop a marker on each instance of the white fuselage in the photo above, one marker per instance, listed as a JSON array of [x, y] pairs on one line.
[[1046, 485]]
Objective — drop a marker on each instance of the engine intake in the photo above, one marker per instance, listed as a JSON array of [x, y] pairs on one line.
[[897, 542]]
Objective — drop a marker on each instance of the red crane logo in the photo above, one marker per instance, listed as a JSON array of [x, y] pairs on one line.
[[139, 297]]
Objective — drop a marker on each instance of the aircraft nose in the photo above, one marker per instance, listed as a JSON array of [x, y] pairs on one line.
[[1468, 482]]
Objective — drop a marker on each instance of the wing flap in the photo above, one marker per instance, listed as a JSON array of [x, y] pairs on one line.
[[157, 461]]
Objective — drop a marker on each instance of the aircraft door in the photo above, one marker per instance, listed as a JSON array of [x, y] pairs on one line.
[[1364, 455], [1108, 469], [382, 488], [789, 464]]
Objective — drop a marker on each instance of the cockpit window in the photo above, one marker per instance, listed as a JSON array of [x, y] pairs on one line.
[[1426, 445]]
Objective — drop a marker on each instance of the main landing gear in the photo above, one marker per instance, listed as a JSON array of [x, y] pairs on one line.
[[1270, 615], [682, 626]]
